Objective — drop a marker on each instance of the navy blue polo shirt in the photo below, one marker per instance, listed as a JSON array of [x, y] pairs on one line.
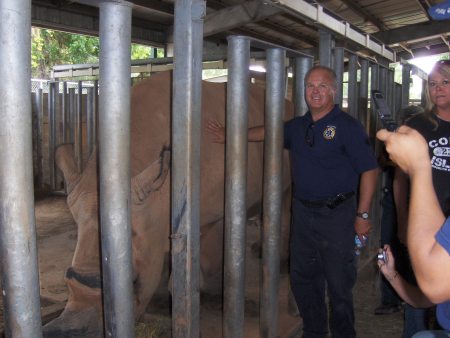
[[327, 156]]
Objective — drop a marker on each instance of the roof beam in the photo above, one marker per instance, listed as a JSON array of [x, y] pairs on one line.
[[365, 14], [444, 39], [425, 6], [308, 12], [413, 32], [232, 17], [159, 6], [285, 31]]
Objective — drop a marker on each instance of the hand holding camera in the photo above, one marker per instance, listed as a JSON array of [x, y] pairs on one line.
[[386, 263]]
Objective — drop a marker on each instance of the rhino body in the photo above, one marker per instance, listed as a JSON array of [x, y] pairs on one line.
[[150, 209]]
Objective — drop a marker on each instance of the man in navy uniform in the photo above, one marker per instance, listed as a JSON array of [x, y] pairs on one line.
[[331, 157]]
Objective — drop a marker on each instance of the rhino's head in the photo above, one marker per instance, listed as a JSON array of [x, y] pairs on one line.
[[150, 213]]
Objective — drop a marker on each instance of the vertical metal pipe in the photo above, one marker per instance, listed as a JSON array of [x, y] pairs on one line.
[[19, 269], [383, 81], [424, 96], [301, 66], [353, 86], [64, 110], [114, 168], [374, 85], [186, 127], [273, 191], [37, 137], [90, 119], [236, 187], [339, 70], [387, 88], [406, 80], [398, 88], [95, 126], [52, 134], [390, 88], [71, 115], [374, 76], [364, 93], [326, 45], [78, 128]]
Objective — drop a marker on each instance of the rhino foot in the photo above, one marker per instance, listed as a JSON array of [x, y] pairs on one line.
[[85, 323]]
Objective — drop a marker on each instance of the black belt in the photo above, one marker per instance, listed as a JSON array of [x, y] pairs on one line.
[[331, 203]]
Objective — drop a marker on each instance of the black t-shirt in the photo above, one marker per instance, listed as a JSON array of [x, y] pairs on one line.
[[438, 138]]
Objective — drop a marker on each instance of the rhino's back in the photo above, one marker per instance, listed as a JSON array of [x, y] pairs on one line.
[[150, 131]]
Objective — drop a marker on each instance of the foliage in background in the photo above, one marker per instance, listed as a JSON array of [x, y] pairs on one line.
[[50, 47]]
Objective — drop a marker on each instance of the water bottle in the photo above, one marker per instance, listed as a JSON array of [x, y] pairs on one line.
[[359, 244]]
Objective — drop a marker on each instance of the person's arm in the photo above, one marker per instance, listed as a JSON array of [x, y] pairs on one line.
[[431, 262], [367, 188], [400, 188], [217, 130], [410, 293]]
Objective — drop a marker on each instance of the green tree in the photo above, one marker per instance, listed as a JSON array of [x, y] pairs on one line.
[[50, 47]]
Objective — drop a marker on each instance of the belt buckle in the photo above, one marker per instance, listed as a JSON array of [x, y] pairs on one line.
[[334, 202]]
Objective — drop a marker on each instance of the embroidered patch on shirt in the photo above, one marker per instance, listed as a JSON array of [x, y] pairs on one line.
[[329, 132]]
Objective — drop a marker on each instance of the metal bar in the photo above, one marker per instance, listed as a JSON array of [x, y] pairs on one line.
[[38, 111], [236, 187], [406, 78], [90, 119], [423, 96], [19, 263], [273, 191], [339, 70], [383, 81], [364, 94], [398, 89], [52, 134], [374, 85], [374, 76], [95, 126], [78, 128], [64, 112], [391, 89], [71, 115], [186, 130], [301, 66], [388, 88], [326, 45], [353, 85], [114, 168]]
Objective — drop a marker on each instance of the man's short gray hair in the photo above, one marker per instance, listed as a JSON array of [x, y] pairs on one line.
[[330, 71]]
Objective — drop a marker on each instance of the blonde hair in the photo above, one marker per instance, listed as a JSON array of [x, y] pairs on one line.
[[442, 67]]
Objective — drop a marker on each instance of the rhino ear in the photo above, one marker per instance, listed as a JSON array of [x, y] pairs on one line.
[[65, 160], [151, 178]]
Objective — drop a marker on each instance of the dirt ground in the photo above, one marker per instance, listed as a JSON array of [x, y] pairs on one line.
[[56, 232]]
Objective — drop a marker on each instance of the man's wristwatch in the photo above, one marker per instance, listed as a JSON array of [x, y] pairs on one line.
[[363, 215]]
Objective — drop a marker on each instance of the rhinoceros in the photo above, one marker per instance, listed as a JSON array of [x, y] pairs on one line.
[[150, 209]]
